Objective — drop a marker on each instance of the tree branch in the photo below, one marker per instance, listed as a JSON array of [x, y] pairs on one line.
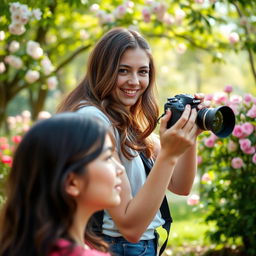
[[247, 34], [71, 57], [190, 40]]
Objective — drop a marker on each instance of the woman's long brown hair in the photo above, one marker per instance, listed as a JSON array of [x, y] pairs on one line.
[[95, 89]]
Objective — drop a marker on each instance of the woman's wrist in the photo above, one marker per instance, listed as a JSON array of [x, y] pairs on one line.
[[163, 157]]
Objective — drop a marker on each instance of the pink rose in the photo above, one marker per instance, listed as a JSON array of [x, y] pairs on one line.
[[209, 142], [245, 143], [238, 131], [120, 11], [208, 97], [3, 140], [254, 158], [206, 177], [6, 159], [252, 112], [193, 200], [220, 98], [16, 139], [248, 98], [247, 128], [236, 99], [228, 88], [4, 146], [199, 160], [249, 150], [237, 163], [146, 15], [159, 9]]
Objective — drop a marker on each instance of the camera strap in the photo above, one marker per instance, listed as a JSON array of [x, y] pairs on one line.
[[164, 208]]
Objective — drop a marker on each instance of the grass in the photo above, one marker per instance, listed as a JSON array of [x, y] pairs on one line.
[[187, 235]]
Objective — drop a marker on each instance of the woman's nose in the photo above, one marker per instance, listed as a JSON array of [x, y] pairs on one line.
[[133, 80], [119, 167]]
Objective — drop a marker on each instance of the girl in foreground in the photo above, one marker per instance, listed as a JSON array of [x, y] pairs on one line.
[[63, 172]]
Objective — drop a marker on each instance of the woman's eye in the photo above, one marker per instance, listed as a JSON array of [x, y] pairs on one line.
[[144, 72], [122, 71], [109, 157]]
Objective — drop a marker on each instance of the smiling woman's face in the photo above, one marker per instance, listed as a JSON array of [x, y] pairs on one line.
[[133, 77]]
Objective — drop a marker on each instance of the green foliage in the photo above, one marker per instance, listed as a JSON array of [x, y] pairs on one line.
[[18, 126], [228, 170]]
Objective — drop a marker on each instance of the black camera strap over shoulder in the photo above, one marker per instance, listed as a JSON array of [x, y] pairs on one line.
[[164, 208]]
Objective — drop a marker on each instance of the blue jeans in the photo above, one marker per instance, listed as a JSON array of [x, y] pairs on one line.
[[121, 247]]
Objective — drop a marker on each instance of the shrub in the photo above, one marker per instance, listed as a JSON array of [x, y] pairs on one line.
[[18, 126], [228, 174]]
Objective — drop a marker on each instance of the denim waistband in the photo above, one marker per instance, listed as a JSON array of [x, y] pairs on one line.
[[120, 239]]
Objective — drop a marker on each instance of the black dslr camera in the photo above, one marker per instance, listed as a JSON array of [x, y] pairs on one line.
[[220, 120]]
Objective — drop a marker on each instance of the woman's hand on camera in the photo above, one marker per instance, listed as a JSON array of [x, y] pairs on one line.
[[182, 135], [203, 104]]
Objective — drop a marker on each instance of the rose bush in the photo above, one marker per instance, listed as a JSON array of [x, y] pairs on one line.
[[228, 175], [18, 126]]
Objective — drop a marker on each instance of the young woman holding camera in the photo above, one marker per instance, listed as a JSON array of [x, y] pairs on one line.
[[118, 88], [63, 172]]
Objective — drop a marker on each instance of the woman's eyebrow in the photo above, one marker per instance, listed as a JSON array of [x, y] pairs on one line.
[[127, 66], [108, 149]]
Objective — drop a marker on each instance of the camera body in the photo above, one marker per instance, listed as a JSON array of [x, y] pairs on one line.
[[177, 106], [220, 120]]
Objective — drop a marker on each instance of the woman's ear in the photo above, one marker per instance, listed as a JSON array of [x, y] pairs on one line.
[[72, 185]]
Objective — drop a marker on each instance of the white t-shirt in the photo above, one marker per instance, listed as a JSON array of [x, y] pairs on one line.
[[136, 174]]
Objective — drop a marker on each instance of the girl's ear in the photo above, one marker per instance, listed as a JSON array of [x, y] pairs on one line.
[[72, 185]]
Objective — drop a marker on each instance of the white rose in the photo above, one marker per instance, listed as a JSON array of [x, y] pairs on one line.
[[47, 66], [168, 19], [43, 115], [52, 82], [14, 61], [24, 11], [14, 46], [14, 7], [233, 38], [26, 114], [179, 15], [2, 35], [34, 49], [181, 48], [84, 34], [16, 29], [37, 14], [32, 76], [2, 67], [20, 14], [94, 8]]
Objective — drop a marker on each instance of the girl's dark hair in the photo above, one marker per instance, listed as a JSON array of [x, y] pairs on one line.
[[38, 211], [95, 89]]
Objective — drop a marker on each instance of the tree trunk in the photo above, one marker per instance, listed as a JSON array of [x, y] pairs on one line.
[[37, 104]]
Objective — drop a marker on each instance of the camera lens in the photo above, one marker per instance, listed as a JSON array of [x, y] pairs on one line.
[[217, 122], [221, 120]]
